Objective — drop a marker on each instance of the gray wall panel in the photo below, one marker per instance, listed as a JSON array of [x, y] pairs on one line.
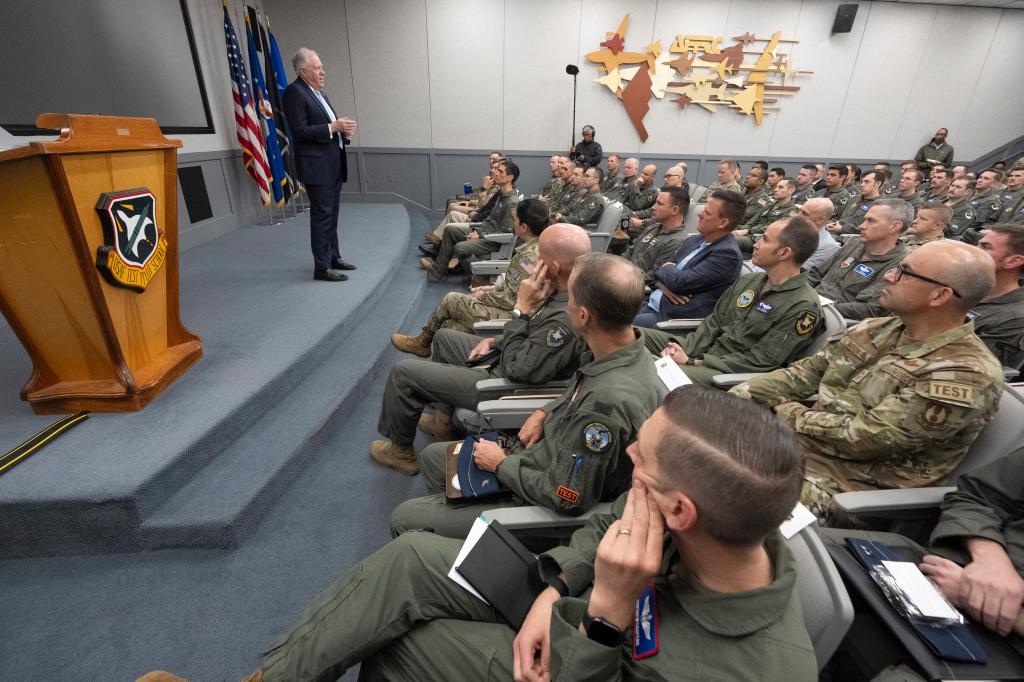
[[404, 173]]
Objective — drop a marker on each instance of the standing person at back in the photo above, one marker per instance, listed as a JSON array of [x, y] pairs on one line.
[[320, 141]]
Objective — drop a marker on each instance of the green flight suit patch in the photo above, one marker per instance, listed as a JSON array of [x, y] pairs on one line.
[[597, 438], [805, 325], [745, 299]]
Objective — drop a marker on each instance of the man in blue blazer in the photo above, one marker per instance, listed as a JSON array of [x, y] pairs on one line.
[[320, 140], [705, 265]]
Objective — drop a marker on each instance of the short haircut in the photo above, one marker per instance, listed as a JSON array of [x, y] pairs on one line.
[[611, 155], [855, 169], [790, 182], [781, 172], [763, 165], [942, 212], [971, 183], [998, 173], [1015, 233], [510, 167], [500, 155], [533, 213], [740, 464], [883, 163], [877, 176], [909, 162], [731, 163], [886, 175], [810, 167], [916, 174], [734, 206], [899, 209], [841, 169], [944, 172], [800, 235], [600, 173], [677, 196], [610, 287]]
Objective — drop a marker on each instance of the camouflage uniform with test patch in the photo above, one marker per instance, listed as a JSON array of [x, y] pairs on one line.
[[580, 460], [892, 412]]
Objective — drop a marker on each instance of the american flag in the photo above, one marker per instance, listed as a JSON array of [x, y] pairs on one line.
[[250, 138]]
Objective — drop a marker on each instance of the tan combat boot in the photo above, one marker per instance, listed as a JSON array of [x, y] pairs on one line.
[[433, 239], [415, 345], [437, 424], [401, 458]]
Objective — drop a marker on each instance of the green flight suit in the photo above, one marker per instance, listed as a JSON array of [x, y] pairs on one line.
[[755, 327], [839, 198], [585, 211], [963, 218], [400, 614], [760, 222], [929, 198], [986, 504], [986, 206], [853, 214], [802, 195], [612, 187], [569, 199], [456, 244], [755, 202], [999, 322], [854, 279], [932, 154], [629, 190], [731, 186], [914, 200], [703, 635], [580, 460], [655, 246], [1013, 207], [643, 199], [531, 351], [892, 412]]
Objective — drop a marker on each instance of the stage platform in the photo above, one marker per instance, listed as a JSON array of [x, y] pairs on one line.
[[286, 359]]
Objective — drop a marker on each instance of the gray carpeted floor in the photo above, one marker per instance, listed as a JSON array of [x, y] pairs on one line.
[[207, 614]]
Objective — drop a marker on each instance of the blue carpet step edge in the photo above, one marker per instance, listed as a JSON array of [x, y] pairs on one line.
[[224, 504]]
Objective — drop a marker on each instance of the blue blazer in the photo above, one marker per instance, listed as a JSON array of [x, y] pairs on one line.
[[318, 159], [704, 278]]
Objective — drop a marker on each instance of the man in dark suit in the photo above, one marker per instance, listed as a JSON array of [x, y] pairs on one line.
[[320, 139], [705, 265]]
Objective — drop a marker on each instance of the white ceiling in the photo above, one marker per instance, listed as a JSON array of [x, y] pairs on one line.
[[1005, 4]]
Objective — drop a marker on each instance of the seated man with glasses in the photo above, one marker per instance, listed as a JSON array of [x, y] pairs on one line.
[[899, 399]]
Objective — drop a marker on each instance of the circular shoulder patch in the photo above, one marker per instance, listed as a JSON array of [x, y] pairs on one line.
[[596, 437], [745, 299]]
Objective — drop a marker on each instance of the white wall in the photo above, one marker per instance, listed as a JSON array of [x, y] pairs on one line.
[[481, 74]]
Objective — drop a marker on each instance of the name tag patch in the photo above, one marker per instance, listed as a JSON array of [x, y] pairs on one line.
[[764, 307], [645, 625], [864, 271]]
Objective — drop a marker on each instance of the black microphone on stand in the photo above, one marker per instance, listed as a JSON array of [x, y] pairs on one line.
[[573, 71]]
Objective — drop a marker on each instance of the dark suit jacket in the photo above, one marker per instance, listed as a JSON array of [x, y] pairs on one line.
[[704, 278], [318, 159]]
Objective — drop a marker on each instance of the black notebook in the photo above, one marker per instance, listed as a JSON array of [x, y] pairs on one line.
[[505, 572]]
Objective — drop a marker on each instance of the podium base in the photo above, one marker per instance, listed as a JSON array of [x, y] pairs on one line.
[[114, 396]]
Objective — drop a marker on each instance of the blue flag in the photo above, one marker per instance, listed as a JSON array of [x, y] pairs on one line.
[[266, 116]]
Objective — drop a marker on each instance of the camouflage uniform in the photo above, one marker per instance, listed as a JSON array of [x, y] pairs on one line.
[[551, 187], [455, 242], [854, 279], [853, 214], [459, 311], [839, 198], [963, 218], [756, 201], [892, 412], [755, 327], [731, 186], [912, 243], [999, 322], [655, 246]]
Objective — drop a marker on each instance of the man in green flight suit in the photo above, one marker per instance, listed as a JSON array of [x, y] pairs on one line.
[[900, 399], [588, 206], [857, 207], [781, 206], [537, 345], [725, 179], [835, 188], [722, 578], [661, 237], [964, 216], [763, 321], [570, 454]]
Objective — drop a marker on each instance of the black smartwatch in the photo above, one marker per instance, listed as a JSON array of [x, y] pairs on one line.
[[518, 314], [603, 632]]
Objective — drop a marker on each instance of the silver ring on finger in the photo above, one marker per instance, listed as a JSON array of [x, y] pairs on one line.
[[624, 531]]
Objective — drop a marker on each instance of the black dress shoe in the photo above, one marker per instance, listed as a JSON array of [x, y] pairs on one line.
[[428, 251], [330, 276], [339, 264]]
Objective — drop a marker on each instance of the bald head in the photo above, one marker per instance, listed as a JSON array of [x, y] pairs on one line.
[[965, 268], [818, 211], [559, 246]]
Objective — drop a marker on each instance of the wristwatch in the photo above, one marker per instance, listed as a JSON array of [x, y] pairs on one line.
[[518, 314], [603, 632]]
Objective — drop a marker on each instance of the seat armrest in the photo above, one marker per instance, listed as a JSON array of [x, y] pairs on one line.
[[506, 387], [885, 502], [725, 380], [492, 326], [489, 267], [509, 413], [501, 237], [680, 324], [526, 518]]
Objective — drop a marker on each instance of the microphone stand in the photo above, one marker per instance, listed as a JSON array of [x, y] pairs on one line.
[[573, 71]]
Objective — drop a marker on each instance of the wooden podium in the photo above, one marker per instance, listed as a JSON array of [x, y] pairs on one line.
[[89, 263]]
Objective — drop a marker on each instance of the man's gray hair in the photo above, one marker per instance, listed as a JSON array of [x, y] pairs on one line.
[[301, 58], [899, 209]]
